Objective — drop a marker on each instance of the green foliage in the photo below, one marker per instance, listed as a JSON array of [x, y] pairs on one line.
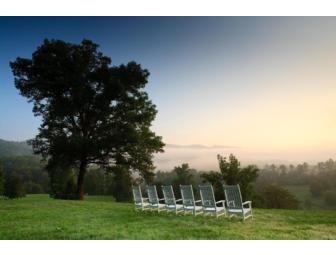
[[232, 173], [122, 191], [39, 217], [285, 175], [92, 112], [30, 170], [308, 182], [2, 179], [183, 175], [330, 197], [216, 179], [164, 177], [95, 181], [317, 187], [12, 149], [62, 182], [277, 197], [36, 189], [230, 169], [14, 186]]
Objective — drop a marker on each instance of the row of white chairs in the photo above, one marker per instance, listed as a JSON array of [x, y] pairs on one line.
[[233, 204]]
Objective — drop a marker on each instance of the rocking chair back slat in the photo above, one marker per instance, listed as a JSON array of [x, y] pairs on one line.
[[233, 196], [137, 194], [168, 194], [152, 194], [187, 195], [207, 196]]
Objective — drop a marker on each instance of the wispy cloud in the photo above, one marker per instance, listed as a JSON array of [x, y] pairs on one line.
[[198, 146]]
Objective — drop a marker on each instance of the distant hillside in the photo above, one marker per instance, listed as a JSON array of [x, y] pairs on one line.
[[9, 148]]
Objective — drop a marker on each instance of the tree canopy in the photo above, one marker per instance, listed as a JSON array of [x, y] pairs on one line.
[[92, 112], [232, 173]]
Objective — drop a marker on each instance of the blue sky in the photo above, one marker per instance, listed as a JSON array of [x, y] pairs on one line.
[[250, 82], [170, 48]]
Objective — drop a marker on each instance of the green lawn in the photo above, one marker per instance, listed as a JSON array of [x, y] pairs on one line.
[[39, 217]]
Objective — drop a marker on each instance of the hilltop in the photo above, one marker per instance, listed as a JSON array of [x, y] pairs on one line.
[[40, 217]]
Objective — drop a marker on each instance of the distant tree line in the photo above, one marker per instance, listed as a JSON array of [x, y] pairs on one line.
[[22, 174], [320, 178], [266, 187], [230, 172]]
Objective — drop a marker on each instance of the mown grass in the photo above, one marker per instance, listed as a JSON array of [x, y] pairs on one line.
[[40, 217]]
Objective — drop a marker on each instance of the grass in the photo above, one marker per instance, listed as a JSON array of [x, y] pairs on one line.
[[40, 217]]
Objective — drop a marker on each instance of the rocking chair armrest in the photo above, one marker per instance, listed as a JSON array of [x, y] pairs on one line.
[[161, 199], [198, 201], [247, 203], [220, 201], [145, 198], [179, 200]]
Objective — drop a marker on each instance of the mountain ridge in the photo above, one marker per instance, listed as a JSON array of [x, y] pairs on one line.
[[198, 146], [14, 148]]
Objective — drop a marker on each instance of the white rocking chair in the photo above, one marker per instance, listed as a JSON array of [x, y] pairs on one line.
[[170, 201], [235, 203], [209, 204], [154, 201], [140, 202], [189, 203]]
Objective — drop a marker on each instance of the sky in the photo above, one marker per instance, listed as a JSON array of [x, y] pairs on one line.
[[263, 88]]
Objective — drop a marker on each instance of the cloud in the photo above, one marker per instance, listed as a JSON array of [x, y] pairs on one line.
[[198, 146]]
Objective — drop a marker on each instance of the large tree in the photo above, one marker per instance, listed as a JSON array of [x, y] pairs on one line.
[[92, 112]]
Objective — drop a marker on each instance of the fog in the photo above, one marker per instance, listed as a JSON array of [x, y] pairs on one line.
[[205, 158]]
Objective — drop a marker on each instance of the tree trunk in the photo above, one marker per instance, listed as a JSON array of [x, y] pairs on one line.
[[80, 180]]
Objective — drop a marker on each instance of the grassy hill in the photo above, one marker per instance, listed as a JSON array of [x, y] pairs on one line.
[[40, 217]]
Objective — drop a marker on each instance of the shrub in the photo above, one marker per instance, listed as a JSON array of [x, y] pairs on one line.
[[36, 189], [316, 187], [122, 191], [63, 185], [14, 186], [330, 197], [275, 196]]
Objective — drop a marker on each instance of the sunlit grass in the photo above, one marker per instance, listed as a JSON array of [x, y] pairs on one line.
[[40, 217]]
